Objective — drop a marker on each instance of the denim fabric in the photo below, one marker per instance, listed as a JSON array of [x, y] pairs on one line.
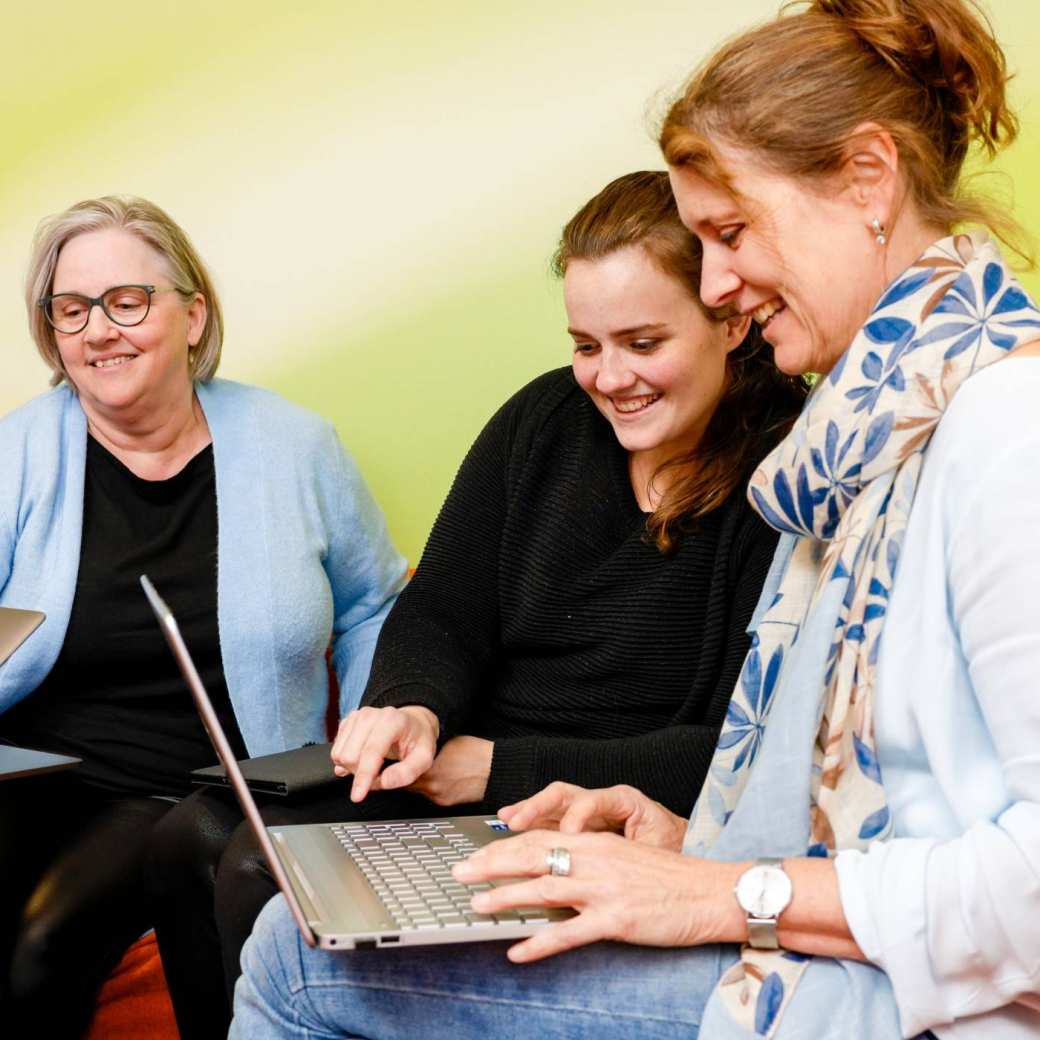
[[471, 992], [462, 991]]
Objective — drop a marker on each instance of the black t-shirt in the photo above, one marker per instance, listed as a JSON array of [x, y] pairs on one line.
[[115, 696]]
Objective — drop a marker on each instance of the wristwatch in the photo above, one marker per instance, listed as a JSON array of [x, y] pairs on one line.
[[763, 893]]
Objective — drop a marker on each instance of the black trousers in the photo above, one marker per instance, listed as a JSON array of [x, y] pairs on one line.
[[207, 872], [72, 898]]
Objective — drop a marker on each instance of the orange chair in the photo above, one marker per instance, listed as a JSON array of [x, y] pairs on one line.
[[134, 1003]]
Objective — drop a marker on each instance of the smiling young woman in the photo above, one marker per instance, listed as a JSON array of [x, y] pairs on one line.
[[644, 336], [657, 381], [642, 446]]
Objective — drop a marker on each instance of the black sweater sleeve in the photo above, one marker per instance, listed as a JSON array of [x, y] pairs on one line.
[[443, 632], [667, 764]]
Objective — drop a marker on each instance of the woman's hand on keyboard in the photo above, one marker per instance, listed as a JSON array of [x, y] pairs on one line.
[[621, 890], [369, 736], [571, 809]]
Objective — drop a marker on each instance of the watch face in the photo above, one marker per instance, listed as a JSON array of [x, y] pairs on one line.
[[763, 891]]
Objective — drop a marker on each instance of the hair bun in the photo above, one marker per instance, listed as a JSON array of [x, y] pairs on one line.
[[948, 47]]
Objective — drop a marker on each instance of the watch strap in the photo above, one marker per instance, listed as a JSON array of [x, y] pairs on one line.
[[762, 933]]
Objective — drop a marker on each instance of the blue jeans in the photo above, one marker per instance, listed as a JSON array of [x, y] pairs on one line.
[[466, 991], [471, 992]]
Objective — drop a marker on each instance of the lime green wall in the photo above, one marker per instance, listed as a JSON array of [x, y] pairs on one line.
[[377, 186]]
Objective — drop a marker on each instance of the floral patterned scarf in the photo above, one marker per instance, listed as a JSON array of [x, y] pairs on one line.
[[844, 481]]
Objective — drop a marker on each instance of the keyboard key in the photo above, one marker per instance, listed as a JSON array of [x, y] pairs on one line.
[[408, 866]]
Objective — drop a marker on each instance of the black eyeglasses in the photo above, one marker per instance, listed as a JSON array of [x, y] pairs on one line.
[[126, 305]]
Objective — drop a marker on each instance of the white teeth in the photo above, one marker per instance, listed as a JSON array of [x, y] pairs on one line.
[[763, 313], [636, 404], [110, 362]]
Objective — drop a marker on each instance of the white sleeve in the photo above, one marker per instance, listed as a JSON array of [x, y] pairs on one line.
[[972, 904]]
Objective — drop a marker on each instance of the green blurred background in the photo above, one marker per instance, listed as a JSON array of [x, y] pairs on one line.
[[377, 186]]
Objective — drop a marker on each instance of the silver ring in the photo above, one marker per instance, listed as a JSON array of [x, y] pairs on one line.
[[559, 862]]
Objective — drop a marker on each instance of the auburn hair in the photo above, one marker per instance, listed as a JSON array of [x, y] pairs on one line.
[[794, 90], [759, 403]]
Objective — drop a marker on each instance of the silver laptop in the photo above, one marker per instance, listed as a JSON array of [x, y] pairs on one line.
[[15, 628], [368, 884], [17, 762]]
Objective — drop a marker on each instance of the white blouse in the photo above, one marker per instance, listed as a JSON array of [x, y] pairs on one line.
[[950, 908]]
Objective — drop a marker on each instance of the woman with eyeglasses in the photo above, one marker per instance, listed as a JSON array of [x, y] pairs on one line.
[[864, 856], [246, 514]]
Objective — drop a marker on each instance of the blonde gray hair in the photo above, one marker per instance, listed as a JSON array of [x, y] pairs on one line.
[[149, 223]]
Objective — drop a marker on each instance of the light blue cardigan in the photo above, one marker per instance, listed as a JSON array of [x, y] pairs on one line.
[[302, 554]]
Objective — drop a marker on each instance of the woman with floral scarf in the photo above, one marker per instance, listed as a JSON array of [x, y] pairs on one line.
[[864, 858]]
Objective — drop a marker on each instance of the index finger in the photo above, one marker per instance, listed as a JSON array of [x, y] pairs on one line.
[[610, 806], [377, 745], [352, 733], [348, 729], [545, 806]]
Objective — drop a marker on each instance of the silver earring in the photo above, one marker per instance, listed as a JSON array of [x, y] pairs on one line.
[[879, 231]]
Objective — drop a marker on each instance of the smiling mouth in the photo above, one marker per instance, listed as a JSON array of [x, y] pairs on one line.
[[635, 404], [113, 361], [765, 313]]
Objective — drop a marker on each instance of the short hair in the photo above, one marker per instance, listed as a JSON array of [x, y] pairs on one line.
[[153, 226]]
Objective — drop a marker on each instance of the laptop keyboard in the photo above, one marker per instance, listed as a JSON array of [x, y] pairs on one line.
[[408, 864]]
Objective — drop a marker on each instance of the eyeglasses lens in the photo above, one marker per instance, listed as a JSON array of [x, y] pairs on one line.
[[125, 305]]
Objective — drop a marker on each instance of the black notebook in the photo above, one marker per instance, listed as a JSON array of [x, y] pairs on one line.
[[285, 773]]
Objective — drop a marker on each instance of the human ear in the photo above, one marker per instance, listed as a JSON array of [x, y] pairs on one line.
[[736, 330], [870, 171], [197, 313]]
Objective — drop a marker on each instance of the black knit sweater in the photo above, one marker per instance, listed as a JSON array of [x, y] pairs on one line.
[[540, 616]]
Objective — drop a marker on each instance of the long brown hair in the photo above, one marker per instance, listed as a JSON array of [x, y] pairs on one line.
[[793, 91], [759, 403]]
